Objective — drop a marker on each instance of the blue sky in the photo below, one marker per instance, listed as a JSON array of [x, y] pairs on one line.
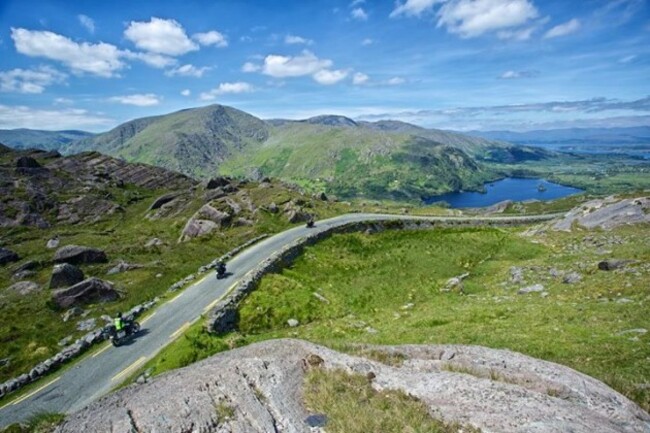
[[452, 64]]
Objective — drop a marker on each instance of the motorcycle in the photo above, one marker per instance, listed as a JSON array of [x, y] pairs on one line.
[[130, 328], [310, 224], [221, 271]]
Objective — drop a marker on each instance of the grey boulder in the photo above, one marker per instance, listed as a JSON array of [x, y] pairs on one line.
[[65, 275], [7, 256], [88, 291], [76, 254]]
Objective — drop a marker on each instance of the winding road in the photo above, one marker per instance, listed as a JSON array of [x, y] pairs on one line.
[[96, 374]]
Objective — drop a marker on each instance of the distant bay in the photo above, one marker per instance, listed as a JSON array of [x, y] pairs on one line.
[[511, 188]]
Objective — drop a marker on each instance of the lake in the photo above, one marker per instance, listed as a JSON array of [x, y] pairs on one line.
[[515, 189]]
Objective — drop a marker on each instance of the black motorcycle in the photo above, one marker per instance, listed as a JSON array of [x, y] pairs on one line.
[[130, 328], [221, 271]]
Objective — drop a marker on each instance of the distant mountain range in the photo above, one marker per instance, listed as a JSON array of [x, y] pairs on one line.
[[36, 139], [335, 154], [596, 136]]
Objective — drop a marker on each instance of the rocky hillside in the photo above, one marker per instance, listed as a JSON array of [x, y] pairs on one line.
[[37, 139], [42, 189], [327, 153], [260, 388]]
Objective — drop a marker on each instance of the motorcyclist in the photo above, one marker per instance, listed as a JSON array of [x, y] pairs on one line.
[[118, 322], [221, 268]]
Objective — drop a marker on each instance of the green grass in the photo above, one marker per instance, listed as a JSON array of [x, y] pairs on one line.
[[351, 405], [40, 423], [122, 236], [386, 289]]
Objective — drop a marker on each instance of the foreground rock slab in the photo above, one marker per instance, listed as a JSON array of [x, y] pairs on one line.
[[75, 255], [87, 291], [607, 213], [497, 391]]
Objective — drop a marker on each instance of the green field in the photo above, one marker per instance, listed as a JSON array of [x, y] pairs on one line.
[[388, 288]]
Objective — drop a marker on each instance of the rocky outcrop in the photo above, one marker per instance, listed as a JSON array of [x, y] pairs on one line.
[[204, 221], [260, 386], [163, 199], [24, 287], [65, 275], [7, 256], [607, 213], [87, 291], [75, 254]]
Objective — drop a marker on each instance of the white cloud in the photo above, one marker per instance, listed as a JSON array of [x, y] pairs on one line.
[[250, 67], [395, 81], [513, 75], [212, 37], [87, 22], [328, 77], [99, 59], [138, 99], [187, 71], [152, 59], [186, 92], [357, 3], [69, 118], [563, 29], [367, 41], [413, 7], [359, 14], [360, 78], [30, 80], [470, 18], [160, 36], [286, 66], [63, 101], [224, 88], [293, 40]]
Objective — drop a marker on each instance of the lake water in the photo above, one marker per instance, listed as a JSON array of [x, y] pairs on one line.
[[515, 189]]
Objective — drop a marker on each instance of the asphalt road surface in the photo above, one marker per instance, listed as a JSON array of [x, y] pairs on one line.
[[97, 374]]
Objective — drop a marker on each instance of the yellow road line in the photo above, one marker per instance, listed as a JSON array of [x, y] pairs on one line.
[[36, 391], [147, 318], [180, 330], [103, 349], [213, 303], [130, 368]]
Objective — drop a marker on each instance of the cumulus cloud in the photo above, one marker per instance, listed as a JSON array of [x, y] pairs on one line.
[[87, 22], [294, 40], [98, 59], [328, 77], [470, 18], [513, 75], [225, 88], [359, 14], [287, 66], [138, 99], [30, 80], [63, 101], [212, 37], [70, 118], [563, 29], [360, 78], [186, 92], [187, 71], [160, 36], [250, 67], [414, 7], [152, 59]]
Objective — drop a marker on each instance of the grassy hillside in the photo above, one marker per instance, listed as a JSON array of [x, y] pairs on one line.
[[37, 139], [324, 153], [390, 288], [358, 161], [194, 142]]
